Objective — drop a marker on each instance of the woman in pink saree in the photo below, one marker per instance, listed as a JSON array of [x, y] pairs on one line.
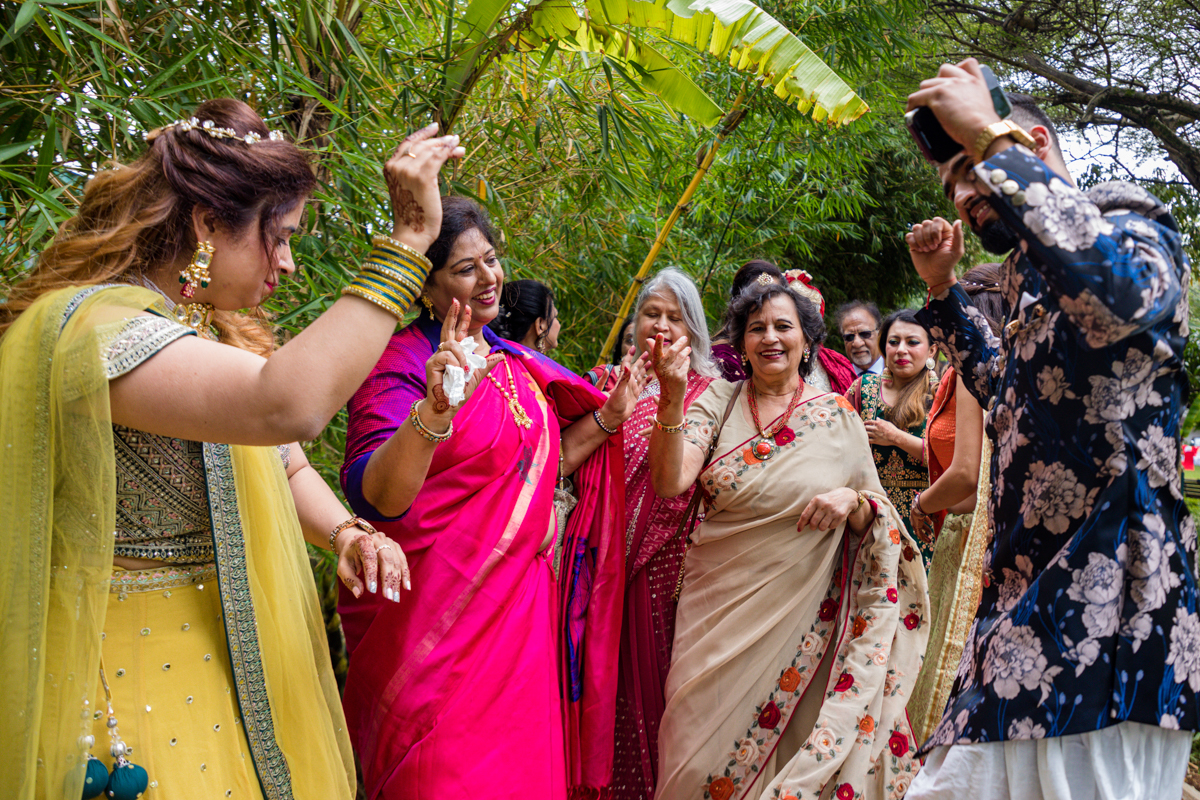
[[669, 304], [500, 662]]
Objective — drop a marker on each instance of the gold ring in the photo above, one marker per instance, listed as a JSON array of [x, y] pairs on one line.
[[411, 154], [384, 547]]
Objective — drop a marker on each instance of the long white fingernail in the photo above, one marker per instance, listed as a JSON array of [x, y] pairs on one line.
[[372, 587], [408, 584]]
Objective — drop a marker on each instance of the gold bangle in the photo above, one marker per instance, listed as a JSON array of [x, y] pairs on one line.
[[371, 297], [670, 428], [417, 271], [350, 523], [389, 242], [425, 433], [387, 286], [387, 271]]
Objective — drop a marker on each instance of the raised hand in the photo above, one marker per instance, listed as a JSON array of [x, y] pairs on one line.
[[960, 100], [671, 365], [412, 180], [450, 355], [623, 398], [936, 247]]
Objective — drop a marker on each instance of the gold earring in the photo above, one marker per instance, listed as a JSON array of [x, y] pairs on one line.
[[196, 272], [425, 301]]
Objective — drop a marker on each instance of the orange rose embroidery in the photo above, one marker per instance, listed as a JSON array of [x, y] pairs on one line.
[[721, 789], [860, 626], [790, 680], [749, 457], [894, 535], [844, 403], [867, 724]]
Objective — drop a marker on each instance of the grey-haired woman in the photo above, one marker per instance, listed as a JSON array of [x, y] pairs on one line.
[[669, 306]]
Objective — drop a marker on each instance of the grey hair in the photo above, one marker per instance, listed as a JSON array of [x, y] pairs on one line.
[[679, 283]]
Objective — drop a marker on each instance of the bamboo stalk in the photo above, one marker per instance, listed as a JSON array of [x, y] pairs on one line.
[[728, 124]]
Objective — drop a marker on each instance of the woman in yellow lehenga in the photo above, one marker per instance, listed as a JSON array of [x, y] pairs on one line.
[[158, 608]]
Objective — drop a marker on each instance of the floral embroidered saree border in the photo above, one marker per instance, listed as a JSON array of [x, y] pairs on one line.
[[241, 630]]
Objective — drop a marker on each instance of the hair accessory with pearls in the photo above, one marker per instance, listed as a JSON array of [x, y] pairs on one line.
[[210, 127], [765, 279]]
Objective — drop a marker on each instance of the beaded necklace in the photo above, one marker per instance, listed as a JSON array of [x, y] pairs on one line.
[[510, 394], [765, 448]]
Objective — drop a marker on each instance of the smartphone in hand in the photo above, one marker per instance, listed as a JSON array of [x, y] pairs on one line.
[[933, 141]]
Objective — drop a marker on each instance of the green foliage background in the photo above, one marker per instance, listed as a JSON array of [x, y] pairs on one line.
[[577, 164]]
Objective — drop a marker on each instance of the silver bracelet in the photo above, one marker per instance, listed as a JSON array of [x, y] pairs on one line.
[[600, 422]]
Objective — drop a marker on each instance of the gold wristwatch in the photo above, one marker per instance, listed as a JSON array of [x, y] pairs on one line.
[[1005, 127]]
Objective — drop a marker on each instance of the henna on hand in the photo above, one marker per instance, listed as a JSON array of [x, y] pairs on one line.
[[408, 210], [441, 404]]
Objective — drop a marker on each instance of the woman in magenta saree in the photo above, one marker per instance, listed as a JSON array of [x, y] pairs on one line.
[[501, 660]]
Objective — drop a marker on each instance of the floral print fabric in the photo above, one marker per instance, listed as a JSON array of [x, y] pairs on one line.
[[1088, 615]]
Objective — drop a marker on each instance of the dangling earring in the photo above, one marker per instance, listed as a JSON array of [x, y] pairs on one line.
[[541, 342], [196, 272], [804, 359], [425, 301], [745, 360], [886, 374], [930, 364]]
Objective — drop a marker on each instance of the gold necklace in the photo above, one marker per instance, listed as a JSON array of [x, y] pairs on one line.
[[514, 405]]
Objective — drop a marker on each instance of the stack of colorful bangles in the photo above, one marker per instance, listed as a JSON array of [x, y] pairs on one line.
[[392, 276]]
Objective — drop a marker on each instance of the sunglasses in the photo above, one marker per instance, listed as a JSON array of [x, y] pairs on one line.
[[852, 335]]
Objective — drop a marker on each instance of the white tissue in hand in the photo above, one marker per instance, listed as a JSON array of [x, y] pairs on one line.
[[454, 380]]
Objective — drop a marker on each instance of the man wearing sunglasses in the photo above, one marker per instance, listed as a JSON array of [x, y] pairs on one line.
[[858, 323]]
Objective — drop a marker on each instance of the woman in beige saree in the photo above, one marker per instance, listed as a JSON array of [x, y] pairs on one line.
[[801, 626]]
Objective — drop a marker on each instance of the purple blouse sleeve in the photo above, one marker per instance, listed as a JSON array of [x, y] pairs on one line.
[[380, 407]]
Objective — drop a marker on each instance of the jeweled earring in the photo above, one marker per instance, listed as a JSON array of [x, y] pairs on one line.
[[196, 272], [930, 364], [425, 301], [886, 374], [745, 359], [805, 357], [541, 342]]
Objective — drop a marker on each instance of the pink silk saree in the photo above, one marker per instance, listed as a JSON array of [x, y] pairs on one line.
[[492, 676]]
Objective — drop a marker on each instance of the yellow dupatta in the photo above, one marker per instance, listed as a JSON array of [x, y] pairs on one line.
[[57, 506]]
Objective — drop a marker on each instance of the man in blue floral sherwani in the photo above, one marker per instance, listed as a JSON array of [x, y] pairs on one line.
[[1080, 673]]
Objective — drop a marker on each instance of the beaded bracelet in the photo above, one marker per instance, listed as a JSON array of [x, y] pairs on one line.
[[427, 434], [670, 428], [353, 522], [600, 422]]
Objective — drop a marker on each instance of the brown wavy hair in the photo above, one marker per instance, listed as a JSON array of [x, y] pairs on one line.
[[913, 401], [136, 218]]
